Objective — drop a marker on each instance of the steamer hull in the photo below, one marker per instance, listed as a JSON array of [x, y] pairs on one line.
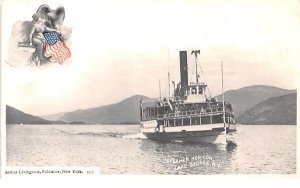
[[196, 136], [212, 133]]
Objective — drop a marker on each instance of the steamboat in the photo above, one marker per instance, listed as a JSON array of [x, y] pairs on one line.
[[190, 115]]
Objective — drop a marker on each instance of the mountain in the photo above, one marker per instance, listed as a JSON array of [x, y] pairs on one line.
[[124, 112], [14, 116], [127, 111], [247, 97], [280, 110]]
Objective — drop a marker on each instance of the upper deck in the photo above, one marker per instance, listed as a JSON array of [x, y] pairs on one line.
[[164, 109]]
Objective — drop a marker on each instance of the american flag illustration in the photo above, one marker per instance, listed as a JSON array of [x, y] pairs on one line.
[[55, 48]]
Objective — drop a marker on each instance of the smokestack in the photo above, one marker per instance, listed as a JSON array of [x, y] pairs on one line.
[[183, 69]]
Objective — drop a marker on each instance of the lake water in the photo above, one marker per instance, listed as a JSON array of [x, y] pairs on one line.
[[120, 149]]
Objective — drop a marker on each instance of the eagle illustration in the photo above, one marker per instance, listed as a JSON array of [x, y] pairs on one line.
[[54, 18]]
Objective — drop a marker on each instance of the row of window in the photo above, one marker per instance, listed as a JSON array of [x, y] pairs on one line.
[[195, 121]]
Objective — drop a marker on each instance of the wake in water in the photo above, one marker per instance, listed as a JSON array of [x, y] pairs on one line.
[[127, 135], [139, 135], [98, 133], [92, 133]]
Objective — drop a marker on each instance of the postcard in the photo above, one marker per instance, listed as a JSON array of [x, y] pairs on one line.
[[97, 88]]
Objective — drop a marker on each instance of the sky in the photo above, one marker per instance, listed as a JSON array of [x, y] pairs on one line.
[[122, 48]]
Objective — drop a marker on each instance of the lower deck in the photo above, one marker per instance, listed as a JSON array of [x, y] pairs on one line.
[[153, 126]]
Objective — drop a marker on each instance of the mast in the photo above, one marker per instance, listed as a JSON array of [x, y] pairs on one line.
[[173, 90], [223, 100], [159, 89], [169, 76], [169, 85], [196, 68]]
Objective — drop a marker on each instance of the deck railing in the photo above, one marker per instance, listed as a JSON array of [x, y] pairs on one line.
[[182, 114]]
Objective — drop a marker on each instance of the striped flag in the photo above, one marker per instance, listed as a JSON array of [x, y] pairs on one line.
[[55, 48]]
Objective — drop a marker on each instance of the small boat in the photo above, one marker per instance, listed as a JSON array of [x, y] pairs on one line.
[[189, 115]]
